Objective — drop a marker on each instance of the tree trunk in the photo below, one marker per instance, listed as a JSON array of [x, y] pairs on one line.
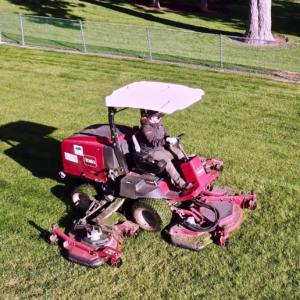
[[259, 21], [156, 4], [203, 5]]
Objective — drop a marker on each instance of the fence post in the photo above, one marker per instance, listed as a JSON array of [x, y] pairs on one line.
[[149, 45], [221, 53], [0, 32], [82, 35], [22, 32]]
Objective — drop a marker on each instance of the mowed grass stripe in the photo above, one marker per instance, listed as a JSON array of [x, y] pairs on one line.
[[251, 123]]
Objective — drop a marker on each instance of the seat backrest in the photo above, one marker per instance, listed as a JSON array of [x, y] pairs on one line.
[[136, 143]]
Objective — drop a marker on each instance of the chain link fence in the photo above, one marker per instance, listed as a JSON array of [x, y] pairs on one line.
[[223, 52]]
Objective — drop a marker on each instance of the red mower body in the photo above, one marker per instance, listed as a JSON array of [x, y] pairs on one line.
[[117, 174], [89, 153]]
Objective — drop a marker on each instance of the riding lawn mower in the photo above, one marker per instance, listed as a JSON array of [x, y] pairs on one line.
[[118, 177]]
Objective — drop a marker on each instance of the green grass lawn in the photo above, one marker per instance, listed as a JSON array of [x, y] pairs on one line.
[[251, 123], [229, 18], [166, 45], [181, 47]]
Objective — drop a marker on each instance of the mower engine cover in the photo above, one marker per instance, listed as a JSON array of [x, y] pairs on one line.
[[89, 153]]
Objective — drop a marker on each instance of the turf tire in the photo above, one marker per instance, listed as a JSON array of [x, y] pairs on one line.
[[151, 214], [83, 195]]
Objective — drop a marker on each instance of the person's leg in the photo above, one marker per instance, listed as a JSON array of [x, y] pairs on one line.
[[177, 154], [165, 155]]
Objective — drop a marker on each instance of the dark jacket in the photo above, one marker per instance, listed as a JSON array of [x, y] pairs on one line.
[[152, 136]]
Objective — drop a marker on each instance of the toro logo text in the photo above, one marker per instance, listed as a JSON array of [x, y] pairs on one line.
[[90, 161]]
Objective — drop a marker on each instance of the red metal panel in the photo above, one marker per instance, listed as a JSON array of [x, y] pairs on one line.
[[83, 155], [163, 186], [193, 171]]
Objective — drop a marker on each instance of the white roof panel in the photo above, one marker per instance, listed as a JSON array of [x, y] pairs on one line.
[[160, 96]]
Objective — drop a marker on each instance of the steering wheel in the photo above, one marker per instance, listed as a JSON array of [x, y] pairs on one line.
[[180, 146]]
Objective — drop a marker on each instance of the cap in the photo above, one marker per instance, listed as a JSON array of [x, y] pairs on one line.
[[154, 113]]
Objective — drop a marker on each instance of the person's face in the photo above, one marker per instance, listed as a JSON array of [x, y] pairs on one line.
[[154, 119]]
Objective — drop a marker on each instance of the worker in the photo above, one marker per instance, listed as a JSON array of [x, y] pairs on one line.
[[155, 140]]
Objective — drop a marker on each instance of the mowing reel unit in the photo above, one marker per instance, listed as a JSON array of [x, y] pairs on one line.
[[93, 245], [210, 219]]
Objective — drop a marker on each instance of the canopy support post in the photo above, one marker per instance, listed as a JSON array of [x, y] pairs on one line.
[[115, 140]]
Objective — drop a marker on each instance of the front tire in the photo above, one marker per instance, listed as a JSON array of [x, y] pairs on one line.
[[83, 195], [151, 214]]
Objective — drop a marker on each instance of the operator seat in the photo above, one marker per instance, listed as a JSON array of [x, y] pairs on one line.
[[143, 161]]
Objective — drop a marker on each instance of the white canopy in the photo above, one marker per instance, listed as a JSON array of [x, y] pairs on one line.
[[160, 96]]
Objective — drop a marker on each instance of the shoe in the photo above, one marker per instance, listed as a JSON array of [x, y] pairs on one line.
[[188, 186]]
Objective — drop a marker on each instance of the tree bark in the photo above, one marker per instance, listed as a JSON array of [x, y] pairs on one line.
[[156, 3], [259, 21], [203, 5]]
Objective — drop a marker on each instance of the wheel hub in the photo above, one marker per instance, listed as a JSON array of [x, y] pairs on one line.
[[146, 219]]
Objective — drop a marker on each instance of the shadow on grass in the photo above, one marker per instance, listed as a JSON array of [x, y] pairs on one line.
[[63, 193], [44, 234], [32, 148], [11, 38], [285, 17], [153, 16], [60, 23], [285, 14], [232, 13], [40, 42], [49, 8]]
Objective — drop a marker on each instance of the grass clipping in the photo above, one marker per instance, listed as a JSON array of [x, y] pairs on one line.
[[203, 239], [113, 219]]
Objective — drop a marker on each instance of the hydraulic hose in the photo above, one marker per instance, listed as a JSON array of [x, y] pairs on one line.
[[201, 228]]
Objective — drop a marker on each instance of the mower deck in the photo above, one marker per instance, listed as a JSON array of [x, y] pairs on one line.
[[92, 250], [187, 232]]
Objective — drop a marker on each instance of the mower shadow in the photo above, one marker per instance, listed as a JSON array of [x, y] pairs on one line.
[[63, 192], [32, 148], [44, 234]]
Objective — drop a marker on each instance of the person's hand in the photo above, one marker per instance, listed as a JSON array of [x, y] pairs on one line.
[[172, 140]]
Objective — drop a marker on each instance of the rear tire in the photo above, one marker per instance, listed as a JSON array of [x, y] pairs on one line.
[[151, 214], [83, 195]]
